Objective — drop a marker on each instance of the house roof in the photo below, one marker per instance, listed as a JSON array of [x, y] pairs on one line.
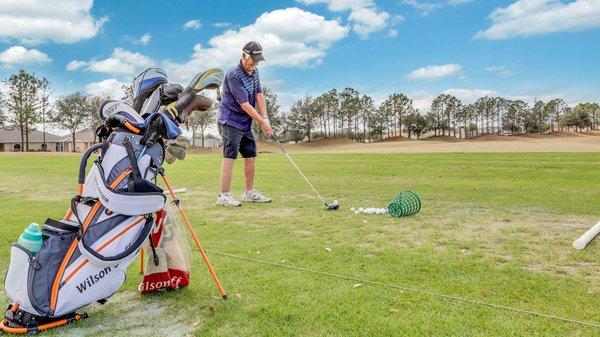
[[86, 135], [12, 134]]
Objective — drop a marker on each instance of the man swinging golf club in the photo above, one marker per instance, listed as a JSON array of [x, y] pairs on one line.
[[242, 92]]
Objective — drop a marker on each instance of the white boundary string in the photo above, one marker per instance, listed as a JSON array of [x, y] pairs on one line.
[[414, 290]]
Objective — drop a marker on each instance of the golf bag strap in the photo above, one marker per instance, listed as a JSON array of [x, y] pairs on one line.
[[104, 261], [74, 201], [134, 164]]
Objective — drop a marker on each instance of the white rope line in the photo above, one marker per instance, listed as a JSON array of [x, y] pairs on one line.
[[414, 290]]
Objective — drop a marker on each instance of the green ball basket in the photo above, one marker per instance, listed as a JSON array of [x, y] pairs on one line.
[[404, 204]]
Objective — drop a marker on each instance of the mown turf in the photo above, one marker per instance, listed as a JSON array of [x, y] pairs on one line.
[[494, 227]]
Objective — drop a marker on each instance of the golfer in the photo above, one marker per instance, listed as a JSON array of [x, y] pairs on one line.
[[242, 101]]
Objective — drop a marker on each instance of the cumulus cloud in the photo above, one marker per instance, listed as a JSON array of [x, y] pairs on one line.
[[121, 63], [290, 37], [501, 71], [110, 86], [61, 21], [74, 65], [364, 17], [434, 72], [192, 24], [533, 17], [19, 55]]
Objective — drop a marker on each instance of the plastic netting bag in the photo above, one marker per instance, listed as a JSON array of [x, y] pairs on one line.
[[167, 254]]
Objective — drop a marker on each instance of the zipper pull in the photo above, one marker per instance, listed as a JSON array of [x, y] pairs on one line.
[[34, 263]]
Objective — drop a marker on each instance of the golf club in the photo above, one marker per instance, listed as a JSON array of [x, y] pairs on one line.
[[334, 205]]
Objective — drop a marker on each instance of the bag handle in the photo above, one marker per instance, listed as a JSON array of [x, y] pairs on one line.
[[84, 160], [102, 260]]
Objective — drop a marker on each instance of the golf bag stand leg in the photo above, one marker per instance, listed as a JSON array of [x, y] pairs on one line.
[[188, 224]]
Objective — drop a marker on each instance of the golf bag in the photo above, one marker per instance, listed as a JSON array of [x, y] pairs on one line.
[[84, 257]]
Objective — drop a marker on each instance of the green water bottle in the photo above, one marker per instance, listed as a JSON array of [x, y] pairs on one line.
[[31, 238]]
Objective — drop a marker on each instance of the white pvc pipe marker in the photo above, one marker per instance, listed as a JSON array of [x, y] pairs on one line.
[[588, 236]]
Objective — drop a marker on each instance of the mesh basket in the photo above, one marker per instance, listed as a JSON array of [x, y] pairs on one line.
[[404, 204]]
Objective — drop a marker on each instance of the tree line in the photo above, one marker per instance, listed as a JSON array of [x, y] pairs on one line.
[[349, 114], [346, 113], [26, 104]]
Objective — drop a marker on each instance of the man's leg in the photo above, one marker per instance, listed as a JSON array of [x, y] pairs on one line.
[[249, 171], [226, 174], [231, 144], [248, 151]]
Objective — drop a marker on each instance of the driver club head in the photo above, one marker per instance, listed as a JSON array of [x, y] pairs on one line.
[[334, 206]]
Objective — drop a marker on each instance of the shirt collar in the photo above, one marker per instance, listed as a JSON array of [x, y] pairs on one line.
[[241, 66]]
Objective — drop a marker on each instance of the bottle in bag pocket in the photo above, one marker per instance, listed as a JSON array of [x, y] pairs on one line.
[[31, 238]]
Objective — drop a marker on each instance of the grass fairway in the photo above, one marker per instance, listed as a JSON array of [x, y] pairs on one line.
[[495, 228]]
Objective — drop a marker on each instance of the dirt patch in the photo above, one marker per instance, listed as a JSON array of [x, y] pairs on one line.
[[127, 311]]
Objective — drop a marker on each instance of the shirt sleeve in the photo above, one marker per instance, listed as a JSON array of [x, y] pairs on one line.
[[237, 89]]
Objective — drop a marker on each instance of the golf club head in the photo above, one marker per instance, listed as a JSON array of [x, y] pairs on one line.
[[334, 206], [210, 79]]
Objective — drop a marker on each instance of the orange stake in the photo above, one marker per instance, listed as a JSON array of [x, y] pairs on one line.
[[141, 261], [194, 236]]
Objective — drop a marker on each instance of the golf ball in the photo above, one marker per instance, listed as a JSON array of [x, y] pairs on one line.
[[352, 209]]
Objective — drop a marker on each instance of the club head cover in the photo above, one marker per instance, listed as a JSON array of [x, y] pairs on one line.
[[170, 92]]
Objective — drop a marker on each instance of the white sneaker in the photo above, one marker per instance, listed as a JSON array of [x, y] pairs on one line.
[[254, 196], [225, 199]]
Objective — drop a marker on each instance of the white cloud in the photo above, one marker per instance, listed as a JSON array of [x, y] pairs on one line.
[[110, 86], [365, 17], [392, 33], [501, 71], [290, 37], [532, 17], [367, 21], [61, 21], [144, 39], [19, 55], [458, 2], [121, 63], [424, 7], [222, 24], [468, 96], [192, 24], [74, 65], [434, 72]]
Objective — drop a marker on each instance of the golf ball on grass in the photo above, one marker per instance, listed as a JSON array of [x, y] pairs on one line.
[[369, 210]]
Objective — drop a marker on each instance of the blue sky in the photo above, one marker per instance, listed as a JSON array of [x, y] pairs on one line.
[[519, 49]]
